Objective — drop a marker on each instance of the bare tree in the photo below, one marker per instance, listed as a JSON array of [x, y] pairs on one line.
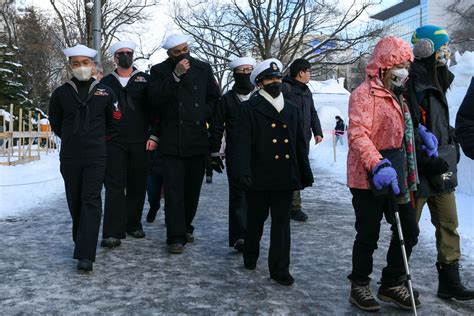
[[318, 30], [118, 17], [7, 14], [462, 36]]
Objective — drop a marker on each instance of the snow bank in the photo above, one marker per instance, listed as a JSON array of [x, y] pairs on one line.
[[30, 186]]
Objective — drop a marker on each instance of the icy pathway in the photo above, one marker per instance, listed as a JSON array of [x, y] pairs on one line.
[[38, 275]]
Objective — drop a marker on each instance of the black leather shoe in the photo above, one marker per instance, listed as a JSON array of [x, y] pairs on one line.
[[189, 237], [250, 264], [284, 278], [137, 234], [176, 248], [84, 265], [299, 215], [239, 245], [110, 242]]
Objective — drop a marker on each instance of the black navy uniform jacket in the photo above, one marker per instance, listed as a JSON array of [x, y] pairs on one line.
[[184, 107], [465, 122], [272, 146], [83, 125], [134, 105], [226, 117]]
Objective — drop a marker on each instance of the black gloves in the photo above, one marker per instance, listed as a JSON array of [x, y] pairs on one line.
[[217, 164]]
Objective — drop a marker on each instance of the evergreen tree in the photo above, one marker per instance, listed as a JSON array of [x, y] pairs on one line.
[[12, 79]]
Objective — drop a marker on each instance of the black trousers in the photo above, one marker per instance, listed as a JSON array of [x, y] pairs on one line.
[[125, 187], [237, 205], [369, 211], [260, 203], [182, 181], [83, 179]]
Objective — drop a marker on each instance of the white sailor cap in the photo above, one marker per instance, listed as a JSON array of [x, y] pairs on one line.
[[122, 44], [80, 50], [174, 40], [271, 67], [242, 61]]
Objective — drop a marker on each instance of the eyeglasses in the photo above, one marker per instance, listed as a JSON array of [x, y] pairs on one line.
[[124, 53], [246, 70]]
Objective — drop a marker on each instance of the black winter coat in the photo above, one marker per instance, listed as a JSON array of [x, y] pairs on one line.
[[428, 106], [83, 124], [340, 127], [226, 117], [184, 107], [272, 147], [134, 105], [300, 95], [465, 122]]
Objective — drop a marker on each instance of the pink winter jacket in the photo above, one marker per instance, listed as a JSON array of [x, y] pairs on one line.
[[376, 121]]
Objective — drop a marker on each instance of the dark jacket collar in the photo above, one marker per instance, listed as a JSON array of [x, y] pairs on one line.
[[264, 107], [295, 84], [424, 79]]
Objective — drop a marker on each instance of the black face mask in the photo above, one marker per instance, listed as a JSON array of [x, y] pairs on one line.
[[180, 57], [242, 84], [125, 60], [273, 89]]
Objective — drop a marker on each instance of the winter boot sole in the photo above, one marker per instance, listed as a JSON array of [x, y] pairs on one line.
[[367, 309], [387, 299], [446, 296]]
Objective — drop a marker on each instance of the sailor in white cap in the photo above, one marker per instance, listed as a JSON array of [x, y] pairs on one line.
[[185, 92], [84, 114], [273, 163], [226, 117], [125, 176]]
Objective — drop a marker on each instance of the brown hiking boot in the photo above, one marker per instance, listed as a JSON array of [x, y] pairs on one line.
[[400, 295], [362, 297]]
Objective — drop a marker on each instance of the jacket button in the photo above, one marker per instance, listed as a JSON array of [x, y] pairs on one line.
[[274, 141], [286, 141], [273, 125], [287, 156], [277, 157], [180, 104], [196, 105], [181, 122], [284, 125], [198, 123]]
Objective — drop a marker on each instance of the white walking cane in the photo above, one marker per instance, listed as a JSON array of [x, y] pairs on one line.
[[394, 207]]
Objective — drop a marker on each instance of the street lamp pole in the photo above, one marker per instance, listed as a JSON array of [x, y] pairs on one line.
[[96, 28]]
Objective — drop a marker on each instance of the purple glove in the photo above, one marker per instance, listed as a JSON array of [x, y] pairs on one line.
[[430, 142], [385, 175]]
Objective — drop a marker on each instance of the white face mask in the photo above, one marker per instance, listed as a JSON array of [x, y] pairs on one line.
[[82, 73], [399, 76]]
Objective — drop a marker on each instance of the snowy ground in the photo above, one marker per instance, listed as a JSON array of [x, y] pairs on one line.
[[38, 276]]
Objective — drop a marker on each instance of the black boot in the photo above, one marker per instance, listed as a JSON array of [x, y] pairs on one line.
[[450, 285]]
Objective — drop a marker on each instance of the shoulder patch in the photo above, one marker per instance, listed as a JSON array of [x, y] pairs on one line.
[[101, 92], [140, 79]]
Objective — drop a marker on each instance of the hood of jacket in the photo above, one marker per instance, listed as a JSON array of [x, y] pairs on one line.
[[388, 52]]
